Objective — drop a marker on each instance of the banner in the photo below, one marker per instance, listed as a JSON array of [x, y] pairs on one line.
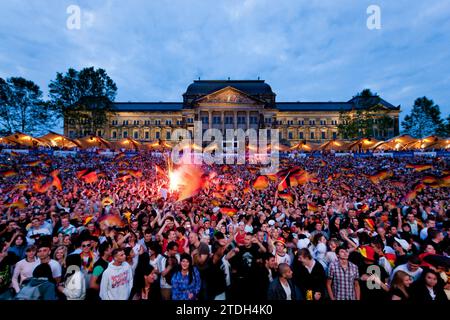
[[425, 154], [384, 154], [59, 153], [343, 154], [404, 154], [443, 154], [23, 151]]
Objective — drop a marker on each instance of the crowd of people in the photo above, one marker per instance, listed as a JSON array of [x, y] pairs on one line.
[[123, 234]]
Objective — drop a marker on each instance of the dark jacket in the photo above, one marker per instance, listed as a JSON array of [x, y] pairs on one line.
[[421, 293], [315, 281], [37, 289], [276, 291]]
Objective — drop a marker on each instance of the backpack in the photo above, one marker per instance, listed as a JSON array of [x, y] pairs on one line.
[[29, 292]]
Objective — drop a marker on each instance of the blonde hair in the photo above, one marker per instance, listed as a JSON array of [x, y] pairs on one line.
[[64, 249]]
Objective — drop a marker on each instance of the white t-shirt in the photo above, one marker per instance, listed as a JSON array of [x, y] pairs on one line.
[[287, 289], [404, 267], [24, 270], [282, 259]]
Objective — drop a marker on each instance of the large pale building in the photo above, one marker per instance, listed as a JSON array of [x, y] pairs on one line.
[[233, 104]]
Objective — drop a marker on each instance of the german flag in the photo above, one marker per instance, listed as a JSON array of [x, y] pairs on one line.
[[19, 204], [225, 168], [41, 188], [33, 163], [272, 177], [215, 203], [346, 187], [312, 207], [391, 205], [337, 175], [410, 196], [419, 167], [127, 215], [370, 224], [21, 187], [329, 179], [261, 183], [107, 201], [287, 196], [218, 195], [246, 190], [81, 173], [419, 187], [323, 163], [315, 192], [349, 175], [364, 207], [289, 171], [302, 178], [445, 181], [135, 173], [101, 175], [284, 184], [390, 257], [159, 170], [14, 154], [314, 180], [293, 181], [119, 156], [398, 184], [90, 177], [8, 174], [56, 181], [380, 176], [86, 220], [345, 169], [429, 179], [228, 211]]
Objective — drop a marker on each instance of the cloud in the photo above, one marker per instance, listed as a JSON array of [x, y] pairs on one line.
[[317, 50]]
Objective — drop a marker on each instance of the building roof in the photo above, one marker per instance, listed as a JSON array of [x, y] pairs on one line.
[[354, 103], [148, 106], [314, 106], [359, 102], [251, 87]]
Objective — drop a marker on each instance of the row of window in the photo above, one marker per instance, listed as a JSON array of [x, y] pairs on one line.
[[312, 135], [229, 120], [136, 136], [149, 122], [114, 135], [311, 122]]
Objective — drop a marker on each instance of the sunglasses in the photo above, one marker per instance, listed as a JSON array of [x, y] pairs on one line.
[[86, 245]]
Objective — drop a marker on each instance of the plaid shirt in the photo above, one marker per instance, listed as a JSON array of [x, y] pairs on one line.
[[343, 280]]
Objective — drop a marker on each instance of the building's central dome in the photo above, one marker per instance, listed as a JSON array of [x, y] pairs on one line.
[[250, 87]]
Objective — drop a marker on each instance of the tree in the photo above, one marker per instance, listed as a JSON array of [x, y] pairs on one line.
[[424, 119], [444, 131], [357, 124], [22, 107], [347, 127], [83, 98]]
